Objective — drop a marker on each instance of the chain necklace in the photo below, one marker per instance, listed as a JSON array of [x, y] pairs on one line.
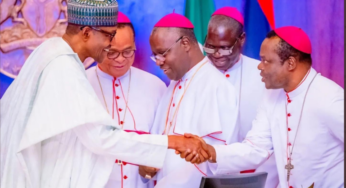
[[169, 106], [121, 123], [289, 165]]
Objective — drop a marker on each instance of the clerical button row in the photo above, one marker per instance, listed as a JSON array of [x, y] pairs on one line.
[[120, 162], [289, 115]]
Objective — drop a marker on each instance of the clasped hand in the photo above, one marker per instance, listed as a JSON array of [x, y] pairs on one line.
[[190, 147], [193, 149]]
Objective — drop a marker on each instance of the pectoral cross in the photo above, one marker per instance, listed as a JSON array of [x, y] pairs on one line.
[[289, 167], [119, 162]]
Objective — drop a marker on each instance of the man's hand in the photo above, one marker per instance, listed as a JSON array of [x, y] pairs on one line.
[[147, 172], [211, 151], [192, 146], [190, 158]]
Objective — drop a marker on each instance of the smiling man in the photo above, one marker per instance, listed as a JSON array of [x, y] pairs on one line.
[[199, 99], [129, 95]]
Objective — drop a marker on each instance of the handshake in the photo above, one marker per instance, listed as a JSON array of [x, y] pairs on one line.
[[190, 147]]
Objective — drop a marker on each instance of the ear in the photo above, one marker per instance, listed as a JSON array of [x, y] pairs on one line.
[[186, 43], [86, 32], [291, 63], [242, 39]]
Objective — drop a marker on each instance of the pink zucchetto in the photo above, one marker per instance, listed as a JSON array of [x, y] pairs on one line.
[[122, 18], [295, 37], [174, 20], [230, 12]]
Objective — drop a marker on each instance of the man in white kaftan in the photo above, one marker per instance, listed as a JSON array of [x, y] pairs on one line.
[[199, 99], [303, 122], [130, 95], [223, 46], [54, 129], [54, 138]]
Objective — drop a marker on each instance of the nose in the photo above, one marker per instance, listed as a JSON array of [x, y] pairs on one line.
[[260, 66], [217, 54], [120, 58], [159, 63]]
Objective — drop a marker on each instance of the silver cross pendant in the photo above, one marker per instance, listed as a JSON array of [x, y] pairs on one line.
[[289, 167]]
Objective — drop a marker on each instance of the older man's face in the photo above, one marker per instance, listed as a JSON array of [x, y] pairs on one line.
[[222, 37], [174, 65], [274, 72], [99, 40], [124, 45]]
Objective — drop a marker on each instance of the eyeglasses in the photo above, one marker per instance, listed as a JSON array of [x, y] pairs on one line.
[[112, 54], [221, 51], [161, 57], [110, 35]]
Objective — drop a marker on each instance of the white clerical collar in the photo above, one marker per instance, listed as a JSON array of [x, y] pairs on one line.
[[304, 84], [107, 76], [192, 71]]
